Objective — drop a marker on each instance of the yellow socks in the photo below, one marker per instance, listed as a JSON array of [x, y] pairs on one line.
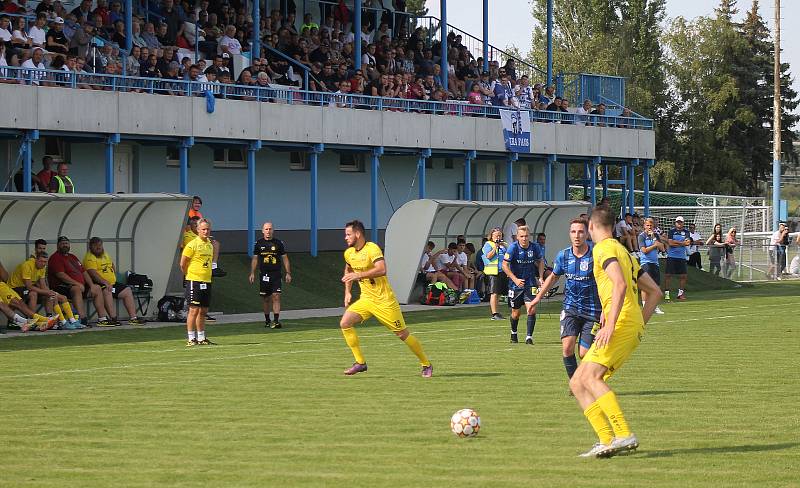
[[594, 414], [58, 312], [39, 318], [351, 338], [608, 403], [416, 348], [67, 310]]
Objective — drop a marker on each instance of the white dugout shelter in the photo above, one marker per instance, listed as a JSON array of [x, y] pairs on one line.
[[140, 232], [440, 221]]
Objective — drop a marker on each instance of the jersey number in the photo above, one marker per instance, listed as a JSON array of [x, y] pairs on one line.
[[270, 260], [634, 277]]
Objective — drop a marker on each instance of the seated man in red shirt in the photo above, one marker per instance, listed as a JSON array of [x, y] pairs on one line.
[[67, 276]]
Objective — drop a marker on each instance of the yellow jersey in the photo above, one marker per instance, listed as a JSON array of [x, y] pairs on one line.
[[102, 264], [200, 253], [188, 236], [374, 289], [26, 271], [603, 251]]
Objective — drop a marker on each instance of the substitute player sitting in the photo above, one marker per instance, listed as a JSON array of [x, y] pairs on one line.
[[14, 302], [523, 264], [618, 279], [581, 308], [268, 254], [196, 268], [102, 271], [28, 280], [364, 263]]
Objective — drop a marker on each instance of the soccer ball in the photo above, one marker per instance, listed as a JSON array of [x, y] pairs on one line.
[[465, 423]]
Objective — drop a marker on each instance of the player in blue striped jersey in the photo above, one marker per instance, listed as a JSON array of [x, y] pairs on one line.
[[581, 310], [523, 265]]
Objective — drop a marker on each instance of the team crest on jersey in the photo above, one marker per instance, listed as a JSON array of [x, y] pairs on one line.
[[530, 254], [584, 265], [272, 248]]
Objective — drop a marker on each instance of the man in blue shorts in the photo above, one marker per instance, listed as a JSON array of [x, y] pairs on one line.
[[524, 267], [581, 311], [678, 239], [650, 244]]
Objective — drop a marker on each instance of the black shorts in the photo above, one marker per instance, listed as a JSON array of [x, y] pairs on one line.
[[654, 271], [66, 290], [199, 293], [270, 282], [22, 292], [676, 266], [497, 283], [574, 324], [117, 288], [520, 296]]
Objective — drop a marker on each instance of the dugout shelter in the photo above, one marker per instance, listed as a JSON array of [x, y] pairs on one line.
[[440, 221], [140, 232]]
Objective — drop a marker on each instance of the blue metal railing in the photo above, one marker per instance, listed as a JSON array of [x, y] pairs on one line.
[[291, 95], [597, 88], [496, 192]]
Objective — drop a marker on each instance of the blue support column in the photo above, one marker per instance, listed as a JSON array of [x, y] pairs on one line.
[[27, 141], [357, 28], [485, 35], [443, 35], [111, 141], [255, 45], [313, 161], [549, 42], [648, 164], [377, 152], [548, 177], [468, 174], [252, 149], [128, 28], [186, 143], [586, 167], [511, 158], [632, 184], [593, 180], [605, 177], [423, 156], [566, 181], [624, 180]]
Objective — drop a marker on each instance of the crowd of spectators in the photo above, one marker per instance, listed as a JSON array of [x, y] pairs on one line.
[[396, 62]]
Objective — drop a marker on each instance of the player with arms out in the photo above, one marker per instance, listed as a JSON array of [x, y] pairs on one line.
[[523, 264], [196, 267], [618, 278], [268, 254], [581, 309], [364, 263]]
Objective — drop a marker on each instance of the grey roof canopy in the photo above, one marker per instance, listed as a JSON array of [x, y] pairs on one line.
[[140, 231], [440, 221]]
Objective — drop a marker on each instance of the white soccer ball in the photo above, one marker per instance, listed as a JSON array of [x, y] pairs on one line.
[[465, 423]]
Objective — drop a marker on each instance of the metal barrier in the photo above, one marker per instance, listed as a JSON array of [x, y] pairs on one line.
[[289, 95], [761, 262]]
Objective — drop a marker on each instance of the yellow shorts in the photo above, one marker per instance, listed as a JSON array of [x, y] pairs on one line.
[[388, 313], [624, 341], [7, 293]]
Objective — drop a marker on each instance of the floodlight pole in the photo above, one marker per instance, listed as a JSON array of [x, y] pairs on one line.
[[443, 35], [357, 38], [549, 42], [776, 117], [485, 35]]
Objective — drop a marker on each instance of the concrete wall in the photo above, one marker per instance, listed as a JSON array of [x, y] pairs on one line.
[[64, 109]]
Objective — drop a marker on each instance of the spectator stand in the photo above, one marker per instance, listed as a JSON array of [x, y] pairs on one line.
[[141, 232], [420, 221]]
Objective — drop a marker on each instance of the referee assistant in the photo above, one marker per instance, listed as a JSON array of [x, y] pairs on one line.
[[268, 254]]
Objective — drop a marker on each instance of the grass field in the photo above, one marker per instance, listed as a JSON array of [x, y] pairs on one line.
[[711, 393]]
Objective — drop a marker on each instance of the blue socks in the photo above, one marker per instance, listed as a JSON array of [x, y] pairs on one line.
[[570, 364]]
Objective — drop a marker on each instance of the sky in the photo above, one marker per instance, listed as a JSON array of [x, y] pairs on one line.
[[514, 24]]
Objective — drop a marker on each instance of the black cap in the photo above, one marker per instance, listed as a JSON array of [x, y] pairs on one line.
[[485, 73], [62, 238]]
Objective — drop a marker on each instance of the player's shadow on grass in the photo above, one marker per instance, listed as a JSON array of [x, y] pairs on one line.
[[472, 374], [657, 392], [718, 450]]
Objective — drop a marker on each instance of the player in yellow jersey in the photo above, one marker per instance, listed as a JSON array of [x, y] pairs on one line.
[[102, 271], [28, 281], [364, 263], [618, 280], [196, 267]]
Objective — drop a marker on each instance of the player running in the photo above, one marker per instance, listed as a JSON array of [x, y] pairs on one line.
[[581, 308], [268, 254], [618, 280], [523, 264], [196, 267], [364, 263]]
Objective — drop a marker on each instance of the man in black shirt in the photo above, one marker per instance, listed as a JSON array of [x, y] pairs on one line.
[[268, 254]]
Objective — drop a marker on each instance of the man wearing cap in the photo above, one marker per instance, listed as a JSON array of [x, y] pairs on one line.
[[57, 42], [678, 240], [67, 276]]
